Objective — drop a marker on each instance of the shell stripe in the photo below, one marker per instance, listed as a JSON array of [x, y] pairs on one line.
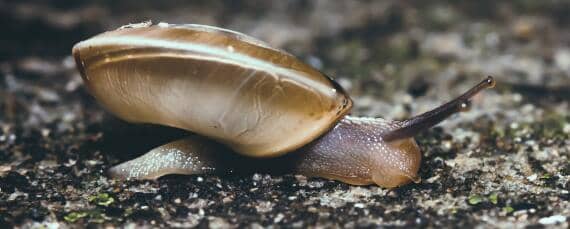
[[210, 53]]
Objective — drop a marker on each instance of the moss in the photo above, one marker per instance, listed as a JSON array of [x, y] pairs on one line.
[[494, 198], [508, 209], [97, 216], [552, 127], [475, 199], [74, 216], [93, 216], [102, 199], [546, 176]]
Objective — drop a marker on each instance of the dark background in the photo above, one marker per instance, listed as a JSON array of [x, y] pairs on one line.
[[505, 163]]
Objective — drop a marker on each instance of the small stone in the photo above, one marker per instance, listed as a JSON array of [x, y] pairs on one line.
[[446, 145], [227, 199], [278, 218], [555, 219], [433, 179], [562, 59], [45, 132], [216, 222], [70, 163], [446, 45], [256, 177], [312, 209], [264, 206], [532, 177], [517, 97], [524, 28], [5, 169], [17, 194], [566, 128]]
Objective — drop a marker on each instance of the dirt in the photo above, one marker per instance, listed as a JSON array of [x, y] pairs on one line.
[[503, 164]]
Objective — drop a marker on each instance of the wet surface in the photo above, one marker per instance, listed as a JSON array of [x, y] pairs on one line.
[[503, 164]]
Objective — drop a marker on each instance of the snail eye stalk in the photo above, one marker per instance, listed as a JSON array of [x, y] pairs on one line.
[[411, 127]]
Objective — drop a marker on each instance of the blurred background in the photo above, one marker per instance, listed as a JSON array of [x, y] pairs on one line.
[[395, 58], [387, 49]]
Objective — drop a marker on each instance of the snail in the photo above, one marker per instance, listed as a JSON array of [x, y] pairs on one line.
[[237, 94]]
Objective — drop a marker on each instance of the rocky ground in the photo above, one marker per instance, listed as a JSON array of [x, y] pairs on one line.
[[503, 164]]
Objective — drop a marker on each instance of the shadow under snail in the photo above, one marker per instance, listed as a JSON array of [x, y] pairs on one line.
[[235, 93]]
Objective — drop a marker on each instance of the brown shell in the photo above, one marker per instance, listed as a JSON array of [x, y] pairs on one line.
[[258, 100]]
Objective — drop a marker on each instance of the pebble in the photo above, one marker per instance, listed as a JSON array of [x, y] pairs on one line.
[[264, 206], [433, 179], [217, 222], [295, 201], [532, 177], [256, 177], [359, 205], [447, 45], [566, 128], [278, 218], [562, 59], [17, 194], [5, 168], [552, 220]]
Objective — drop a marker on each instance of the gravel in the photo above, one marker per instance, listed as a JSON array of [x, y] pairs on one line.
[[505, 164]]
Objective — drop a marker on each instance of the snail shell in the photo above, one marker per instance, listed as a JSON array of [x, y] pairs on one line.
[[258, 100]]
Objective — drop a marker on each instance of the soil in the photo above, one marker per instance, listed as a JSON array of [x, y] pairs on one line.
[[504, 164]]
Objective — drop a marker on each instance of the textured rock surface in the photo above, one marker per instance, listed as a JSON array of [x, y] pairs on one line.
[[504, 164]]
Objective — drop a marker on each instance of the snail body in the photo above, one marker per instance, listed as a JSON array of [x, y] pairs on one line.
[[238, 94]]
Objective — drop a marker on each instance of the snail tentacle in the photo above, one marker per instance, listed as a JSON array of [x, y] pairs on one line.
[[411, 127]]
